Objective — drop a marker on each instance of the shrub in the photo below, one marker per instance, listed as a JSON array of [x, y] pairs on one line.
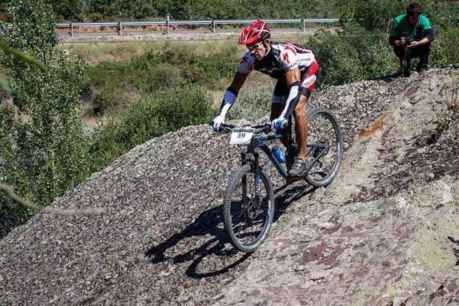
[[150, 117], [352, 55], [161, 76], [373, 14], [107, 79], [445, 48], [173, 66], [252, 104]]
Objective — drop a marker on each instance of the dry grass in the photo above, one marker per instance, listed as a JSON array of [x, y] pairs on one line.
[[95, 53]]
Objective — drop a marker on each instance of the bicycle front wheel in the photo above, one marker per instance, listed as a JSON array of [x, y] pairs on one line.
[[248, 208], [325, 146]]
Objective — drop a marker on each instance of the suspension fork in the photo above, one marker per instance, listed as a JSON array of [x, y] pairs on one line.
[[244, 179], [254, 167], [249, 205]]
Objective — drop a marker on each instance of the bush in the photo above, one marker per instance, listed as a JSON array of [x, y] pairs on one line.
[[152, 116], [373, 14], [445, 48], [107, 80], [252, 104], [114, 83], [162, 76], [352, 55]]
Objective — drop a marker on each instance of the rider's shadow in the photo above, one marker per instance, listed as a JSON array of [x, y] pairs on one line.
[[210, 222], [287, 194]]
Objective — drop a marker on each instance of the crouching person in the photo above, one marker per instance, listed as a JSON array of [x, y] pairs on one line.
[[411, 36]]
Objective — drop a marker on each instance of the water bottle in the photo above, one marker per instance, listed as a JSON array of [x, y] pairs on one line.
[[278, 153], [279, 156]]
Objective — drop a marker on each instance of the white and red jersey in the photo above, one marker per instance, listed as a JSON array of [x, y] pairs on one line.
[[281, 58]]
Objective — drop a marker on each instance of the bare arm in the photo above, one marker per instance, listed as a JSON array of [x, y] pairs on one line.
[[421, 42], [238, 81], [293, 82], [231, 93]]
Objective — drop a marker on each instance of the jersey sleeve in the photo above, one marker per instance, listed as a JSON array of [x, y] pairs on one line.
[[425, 23], [246, 64], [394, 31], [288, 58]]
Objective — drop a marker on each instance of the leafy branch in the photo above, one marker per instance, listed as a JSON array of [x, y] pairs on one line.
[[57, 211], [21, 56]]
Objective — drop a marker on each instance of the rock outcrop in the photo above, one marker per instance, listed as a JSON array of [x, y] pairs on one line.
[[386, 232]]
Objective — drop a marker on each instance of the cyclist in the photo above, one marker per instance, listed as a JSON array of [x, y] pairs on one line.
[[413, 31], [295, 69]]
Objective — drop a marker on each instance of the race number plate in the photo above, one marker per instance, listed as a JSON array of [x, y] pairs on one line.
[[241, 137]]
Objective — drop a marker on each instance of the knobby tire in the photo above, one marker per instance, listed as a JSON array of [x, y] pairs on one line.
[[336, 147], [238, 178]]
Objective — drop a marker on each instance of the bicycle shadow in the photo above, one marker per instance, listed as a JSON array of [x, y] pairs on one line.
[[287, 194], [210, 222], [218, 248]]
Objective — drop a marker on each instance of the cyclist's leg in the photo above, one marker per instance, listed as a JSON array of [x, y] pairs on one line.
[[279, 98], [301, 126], [308, 81], [308, 84]]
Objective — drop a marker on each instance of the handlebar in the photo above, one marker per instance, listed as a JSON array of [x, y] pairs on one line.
[[258, 128]]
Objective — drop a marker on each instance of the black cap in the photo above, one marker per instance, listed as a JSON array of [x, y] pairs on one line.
[[414, 9]]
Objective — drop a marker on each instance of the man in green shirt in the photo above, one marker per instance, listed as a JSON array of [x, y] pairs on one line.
[[411, 36]]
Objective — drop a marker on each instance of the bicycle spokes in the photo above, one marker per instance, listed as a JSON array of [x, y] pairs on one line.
[[325, 148], [248, 212], [322, 152]]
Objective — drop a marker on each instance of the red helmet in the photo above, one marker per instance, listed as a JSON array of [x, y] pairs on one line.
[[254, 32]]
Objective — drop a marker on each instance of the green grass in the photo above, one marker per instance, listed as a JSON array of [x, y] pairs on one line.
[[117, 84]]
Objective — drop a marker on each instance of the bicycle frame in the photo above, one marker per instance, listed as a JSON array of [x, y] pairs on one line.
[[261, 143]]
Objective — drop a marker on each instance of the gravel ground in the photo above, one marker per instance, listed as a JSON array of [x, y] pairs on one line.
[[156, 235]]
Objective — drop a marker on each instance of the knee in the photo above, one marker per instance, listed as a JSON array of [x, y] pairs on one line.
[[300, 108]]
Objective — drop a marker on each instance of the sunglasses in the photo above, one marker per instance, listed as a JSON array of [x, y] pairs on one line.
[[255, 46]]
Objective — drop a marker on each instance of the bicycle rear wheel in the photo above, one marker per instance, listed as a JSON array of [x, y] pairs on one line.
[[325, 148], [248, 208]]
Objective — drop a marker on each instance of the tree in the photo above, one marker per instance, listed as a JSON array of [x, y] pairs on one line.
[[43, 151], [68, 9]]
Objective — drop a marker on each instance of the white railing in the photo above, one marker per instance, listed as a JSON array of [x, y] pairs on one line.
[[168, 24]]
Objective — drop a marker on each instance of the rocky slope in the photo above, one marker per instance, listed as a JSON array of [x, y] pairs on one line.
[[384, 233]]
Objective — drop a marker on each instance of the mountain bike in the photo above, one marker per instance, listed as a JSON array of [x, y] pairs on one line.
[[249, 199]]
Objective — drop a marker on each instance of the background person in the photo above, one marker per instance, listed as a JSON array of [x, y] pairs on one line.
[[412, 33]]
